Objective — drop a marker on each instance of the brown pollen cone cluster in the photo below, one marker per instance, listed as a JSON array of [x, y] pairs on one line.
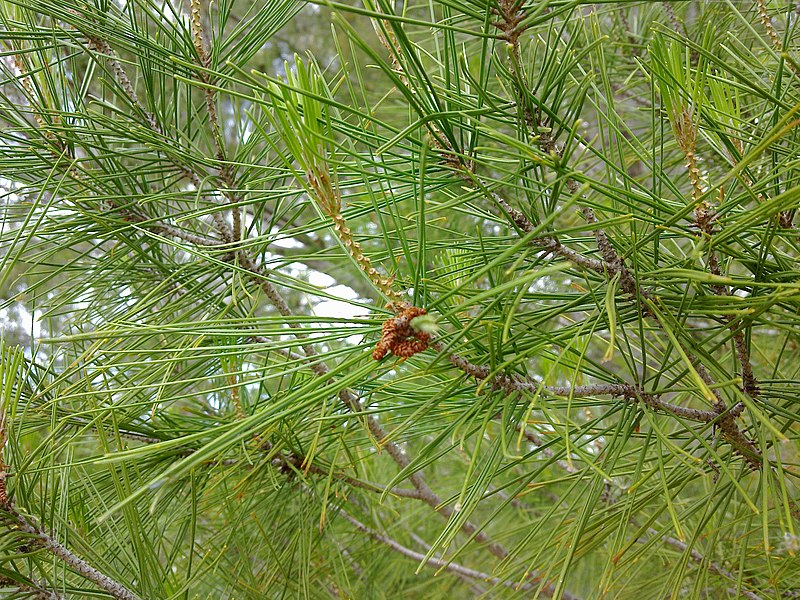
[[400, 338]]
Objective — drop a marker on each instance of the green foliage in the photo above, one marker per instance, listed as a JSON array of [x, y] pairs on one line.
[[594, 203]]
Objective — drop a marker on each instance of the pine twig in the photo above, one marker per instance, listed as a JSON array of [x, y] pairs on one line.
[[37, 590], [475, 589], [685, 129], [105, 49], [294, 462], [124, 82], [201, 46], [626, 391], [18, 522], [705, 218], [447, 565], [426, 494], [677, 26]]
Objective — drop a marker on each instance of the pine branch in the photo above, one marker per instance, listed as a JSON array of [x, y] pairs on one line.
[[105, 154], [294, 462], [612, 262], [25, 525], [476, 590], [704, 221], [677, 26], [350, 400]]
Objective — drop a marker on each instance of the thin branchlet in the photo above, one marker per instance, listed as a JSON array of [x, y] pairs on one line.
[[705, 225], [16, 521], [547, 589], [294, 462], [37, 590], [103, 47], [225, 172], [517, 383], [677, 26]]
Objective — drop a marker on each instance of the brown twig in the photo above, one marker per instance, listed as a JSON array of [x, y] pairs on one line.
[[128, 214], [548, 590], [685, 129], [705, 219], [517, 383], [727, 423], [294, 462], [35, 589], [512, 15], [122, 79], [201, 46], [677, 26]]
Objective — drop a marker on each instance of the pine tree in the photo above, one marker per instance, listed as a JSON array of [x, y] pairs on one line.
[[492, 298]]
